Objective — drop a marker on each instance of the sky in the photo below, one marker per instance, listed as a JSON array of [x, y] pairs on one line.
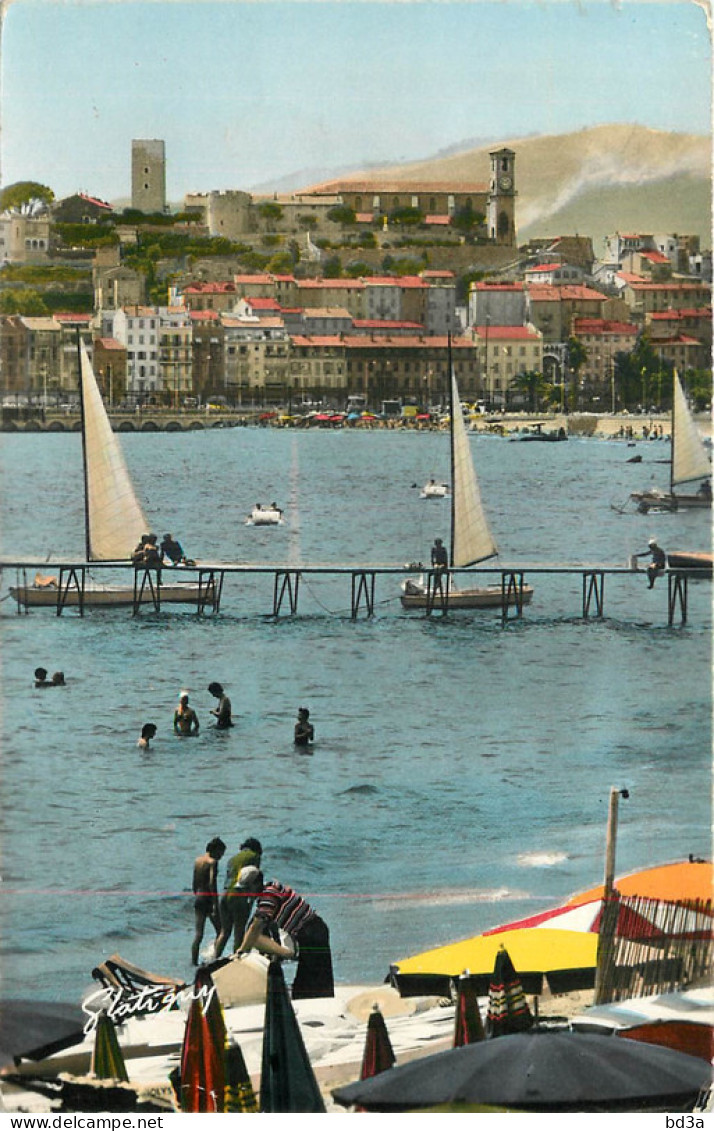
[[245, 93]]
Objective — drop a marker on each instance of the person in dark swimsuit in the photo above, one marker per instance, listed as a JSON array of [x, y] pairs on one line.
[[205, 892], [185, 718], [41, 679], [223, 711], [304, 730]]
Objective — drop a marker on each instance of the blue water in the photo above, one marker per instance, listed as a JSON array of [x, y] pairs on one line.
[[461, 772]]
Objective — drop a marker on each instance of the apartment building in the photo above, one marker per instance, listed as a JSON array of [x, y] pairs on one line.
[[603, 340], [137, 329], [503, 353]]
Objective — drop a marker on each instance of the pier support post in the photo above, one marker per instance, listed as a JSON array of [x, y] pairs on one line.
[[147, 582], [209, 592], [593, 590], [511, 594], [70, 578], [438, 583], [287, 582], [677, 596], [362, 588]]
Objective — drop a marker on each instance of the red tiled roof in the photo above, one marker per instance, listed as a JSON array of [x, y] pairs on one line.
[[95, 200], [437, 275], [68, 317], [330, 284], [262, 303], [386, 324], [435, 220], [109, 343], [238, 279], [602, 326], [675, 286], [397, 188], [204, 316], [497, 286], [691, 312], [654, 256], [544, 292], [209, 289]]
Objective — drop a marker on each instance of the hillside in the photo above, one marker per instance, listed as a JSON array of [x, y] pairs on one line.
[[593, 181]]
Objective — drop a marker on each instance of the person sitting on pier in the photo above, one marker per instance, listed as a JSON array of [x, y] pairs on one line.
[[439, 555], [153, 558], [185, 718], [171, 549], [658, 563], [304, 730], [137, 557]]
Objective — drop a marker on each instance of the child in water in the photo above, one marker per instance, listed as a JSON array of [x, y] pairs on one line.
[[304, 730]]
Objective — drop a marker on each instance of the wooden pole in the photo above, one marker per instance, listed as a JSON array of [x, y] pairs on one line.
[[609, 914]]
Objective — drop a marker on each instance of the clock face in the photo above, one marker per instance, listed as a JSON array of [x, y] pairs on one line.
[[505, 183]]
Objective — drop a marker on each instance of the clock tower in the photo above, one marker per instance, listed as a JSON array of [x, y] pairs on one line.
[[502, 198]]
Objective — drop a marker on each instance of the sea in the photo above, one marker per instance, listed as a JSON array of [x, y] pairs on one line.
[[462, 767]]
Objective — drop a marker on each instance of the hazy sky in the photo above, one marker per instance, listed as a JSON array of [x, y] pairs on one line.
[[246, 92]]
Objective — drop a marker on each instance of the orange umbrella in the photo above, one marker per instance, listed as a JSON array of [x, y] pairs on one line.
[[203, 1074], [682, 882]]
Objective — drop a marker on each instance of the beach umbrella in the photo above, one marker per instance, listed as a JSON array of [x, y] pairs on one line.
[[287, 1081], [239, 1094], [685, 881], [36, 1029], [566, 957], [508, 1010], [468, 1026], [542, 1070], [107, 1060], [378, 1052], [202, 1084]]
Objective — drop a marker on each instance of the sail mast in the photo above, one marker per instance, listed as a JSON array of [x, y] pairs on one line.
[[452, 409], [87, 540], [675, 379]]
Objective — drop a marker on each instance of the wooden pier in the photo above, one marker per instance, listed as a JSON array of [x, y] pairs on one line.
[[70, 587]]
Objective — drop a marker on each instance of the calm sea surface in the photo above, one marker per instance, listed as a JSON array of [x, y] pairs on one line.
[[461, 772]]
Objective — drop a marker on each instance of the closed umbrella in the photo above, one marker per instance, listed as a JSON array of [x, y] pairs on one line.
[[378, 1052], [543, 1070], [468, 1026], [287, 1081], [508, 1010], [239, 1094], [107, 1059], [202, 1086]]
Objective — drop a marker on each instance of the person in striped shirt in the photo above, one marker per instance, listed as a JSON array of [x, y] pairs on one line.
[[278, 907]]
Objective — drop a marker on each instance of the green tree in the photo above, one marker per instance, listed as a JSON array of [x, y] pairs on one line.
[[406, 217], [342, 214], [22, 194], [23, 302], [534, 387], [270, 210], [465, 219], [332, 268], [641, 374]]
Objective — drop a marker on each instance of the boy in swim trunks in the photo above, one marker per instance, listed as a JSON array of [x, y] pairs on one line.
[[205, 892]]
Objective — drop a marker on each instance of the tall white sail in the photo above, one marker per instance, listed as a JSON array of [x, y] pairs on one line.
[[471, 539], [690, 460], [115, 519]]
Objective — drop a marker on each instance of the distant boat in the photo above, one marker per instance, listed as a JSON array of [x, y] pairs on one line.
[[690, 463], [535, 432], [471, 538], [114, 519], [692, 562], [262, 515], [434, 490]]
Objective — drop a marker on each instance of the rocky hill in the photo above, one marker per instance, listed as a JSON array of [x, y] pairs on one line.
[[594, 181]]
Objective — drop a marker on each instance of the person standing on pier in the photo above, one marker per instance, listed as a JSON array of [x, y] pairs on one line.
[[205, 892], [185, 718]]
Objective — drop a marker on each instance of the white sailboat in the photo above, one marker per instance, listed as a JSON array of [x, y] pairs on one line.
[[690, 463], [114, 519], [471, 538]]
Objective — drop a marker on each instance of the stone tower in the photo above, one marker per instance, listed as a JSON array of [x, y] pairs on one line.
[[502, 198], [148, 176]]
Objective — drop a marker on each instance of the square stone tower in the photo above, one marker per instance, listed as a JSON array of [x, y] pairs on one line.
[[148, 175]]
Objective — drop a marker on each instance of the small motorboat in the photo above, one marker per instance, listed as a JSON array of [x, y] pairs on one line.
[[691, 562], [262, 515], [434, 490]]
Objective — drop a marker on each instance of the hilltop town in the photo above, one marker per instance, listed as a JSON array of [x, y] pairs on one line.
[[349, 292]]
